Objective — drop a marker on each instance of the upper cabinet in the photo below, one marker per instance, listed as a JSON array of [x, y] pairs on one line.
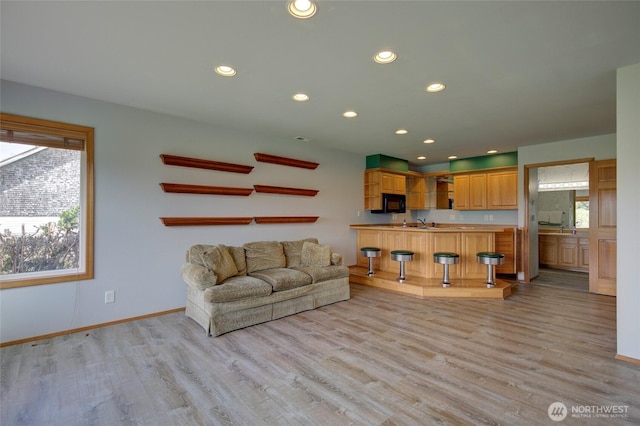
[[377, 182], [495, 190], [393, 184], [417, 193], [502, 190]]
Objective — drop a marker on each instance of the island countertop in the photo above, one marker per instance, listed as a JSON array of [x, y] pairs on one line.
[[466, 240], [413, 227]]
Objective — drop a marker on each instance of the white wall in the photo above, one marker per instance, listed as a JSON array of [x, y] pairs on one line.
[[136, 255], [628, 190]]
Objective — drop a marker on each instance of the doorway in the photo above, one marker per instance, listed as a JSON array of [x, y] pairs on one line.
[[559, 218]]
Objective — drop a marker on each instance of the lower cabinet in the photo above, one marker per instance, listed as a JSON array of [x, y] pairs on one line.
[[508, 243], [570, 252]]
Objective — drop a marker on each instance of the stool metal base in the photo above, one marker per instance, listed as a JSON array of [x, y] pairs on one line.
[[370, 252], [446, 259], [490, 259], [402, 256]]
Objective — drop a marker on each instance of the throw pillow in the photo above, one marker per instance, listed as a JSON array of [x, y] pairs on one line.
[[264, 255], [293, 250], [315, 254], [219, 260]]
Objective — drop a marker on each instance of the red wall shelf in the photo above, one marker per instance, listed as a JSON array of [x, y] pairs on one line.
[[284, 161], [283, 190], [285, 219], [204, 189], [205, 221], [174, 160]]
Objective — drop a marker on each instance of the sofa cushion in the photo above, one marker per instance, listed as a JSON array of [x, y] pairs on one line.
[[198, 276], [282, 279], [219, 260], [237, 288], [324, 273], [293, 250], [238, 257], [315, 254], [264, 255]]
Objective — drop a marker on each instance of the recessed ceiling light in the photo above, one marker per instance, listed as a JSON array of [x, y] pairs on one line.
[[300, 97], [350, 114], [302, 9], [428, 141], [302, 139], [435, 87], [492, 151], [401, 132], [225, 70], [452, 157], [422, 157], [385, 57]]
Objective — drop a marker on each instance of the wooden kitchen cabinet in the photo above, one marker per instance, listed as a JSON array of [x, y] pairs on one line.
[[393, 184], [377, 183], [502, 190], [559, 251], [416, 193], [470, 191], [461, 192], [507, 243], [497, 190], [372, 190], [478, 191]]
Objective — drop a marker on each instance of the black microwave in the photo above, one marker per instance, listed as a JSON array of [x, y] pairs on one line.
[[392, 203]]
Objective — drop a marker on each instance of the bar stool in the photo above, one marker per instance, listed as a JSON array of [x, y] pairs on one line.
[[402, 256], [370, 252], [490, 259], [446, 259]]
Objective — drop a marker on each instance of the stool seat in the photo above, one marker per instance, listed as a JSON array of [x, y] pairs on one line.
[[402, 256], [446, 259], [490, 259], [370, 252]]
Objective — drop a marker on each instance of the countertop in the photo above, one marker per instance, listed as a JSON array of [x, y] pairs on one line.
[[450, 227]]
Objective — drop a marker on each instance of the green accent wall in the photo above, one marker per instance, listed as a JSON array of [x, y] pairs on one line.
[[507, 159], [386, 162]]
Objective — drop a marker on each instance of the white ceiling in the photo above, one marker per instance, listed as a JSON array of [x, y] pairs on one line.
[[517, 72]]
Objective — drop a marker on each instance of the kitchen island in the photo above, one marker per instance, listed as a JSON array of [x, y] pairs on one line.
[[424, 277]]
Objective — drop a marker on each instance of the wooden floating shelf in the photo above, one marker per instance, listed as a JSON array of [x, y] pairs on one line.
[[203, 189], [174, 160], [205, 221], [283, 161], [285, 219], [283, 190]]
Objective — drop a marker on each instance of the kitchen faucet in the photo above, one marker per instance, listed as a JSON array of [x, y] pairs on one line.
[[423, 222]]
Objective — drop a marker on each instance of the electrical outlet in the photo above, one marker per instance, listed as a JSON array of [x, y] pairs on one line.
[[486, 217], [109, 296], [359, 213], [452, 217], [490, 218]]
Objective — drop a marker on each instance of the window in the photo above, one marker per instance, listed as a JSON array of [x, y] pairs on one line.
[[581, 207], [46, 202]]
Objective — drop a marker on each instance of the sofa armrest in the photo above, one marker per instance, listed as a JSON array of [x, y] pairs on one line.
[[336, 259], [198, 276]]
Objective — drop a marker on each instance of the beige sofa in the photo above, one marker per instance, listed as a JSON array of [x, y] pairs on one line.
[[234, 287]]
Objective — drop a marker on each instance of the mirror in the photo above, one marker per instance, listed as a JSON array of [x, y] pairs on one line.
[[440, 191]]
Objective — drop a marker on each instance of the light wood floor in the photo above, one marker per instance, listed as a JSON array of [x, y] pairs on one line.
[[379, 358]]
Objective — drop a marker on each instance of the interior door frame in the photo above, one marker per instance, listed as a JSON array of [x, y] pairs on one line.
[[526, 236]]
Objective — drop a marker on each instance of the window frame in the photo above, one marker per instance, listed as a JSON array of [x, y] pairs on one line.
[[59, 133]]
